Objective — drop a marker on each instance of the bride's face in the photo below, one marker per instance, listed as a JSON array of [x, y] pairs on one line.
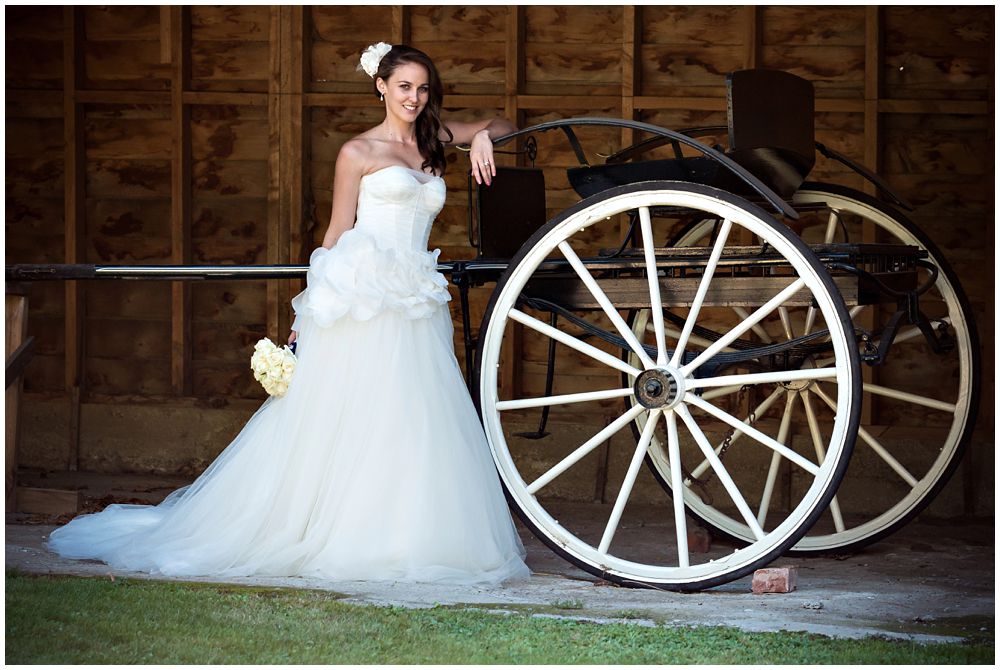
[[406, 91]]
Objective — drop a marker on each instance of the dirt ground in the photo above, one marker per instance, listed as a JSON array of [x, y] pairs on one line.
[[931, 582]]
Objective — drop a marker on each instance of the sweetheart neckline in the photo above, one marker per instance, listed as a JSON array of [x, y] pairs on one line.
[[409, 169]]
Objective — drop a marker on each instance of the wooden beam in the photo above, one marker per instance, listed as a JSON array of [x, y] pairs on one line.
[[872, 159], [514, 66], [968, 107], [873, 71], [166, 39], [274, 175], [237, 98], [631, 72], [114, 97], [751, 36], [180, 197], [16, 329], [569, 102], [292, 146], [400, 24], [74, 199]]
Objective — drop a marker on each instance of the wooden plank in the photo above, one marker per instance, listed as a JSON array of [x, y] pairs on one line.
[[230, 98], [681, 291], [514, 74], [52, 502], [292, 154], [400, 24], [180, 197], [15, 331], [74, 218], [274, 181], [752, 36]]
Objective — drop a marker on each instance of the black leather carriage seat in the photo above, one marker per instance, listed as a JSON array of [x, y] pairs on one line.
[[771, 126], [508, 211], [770, 123]]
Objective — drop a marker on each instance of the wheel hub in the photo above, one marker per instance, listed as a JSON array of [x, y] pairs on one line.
[[801, 384], [659, 388]]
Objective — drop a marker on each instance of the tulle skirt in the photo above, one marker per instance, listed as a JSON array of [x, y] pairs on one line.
[[373, 466]]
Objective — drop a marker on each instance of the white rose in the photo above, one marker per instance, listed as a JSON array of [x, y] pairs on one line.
[[275, 359], [373, 56], [280, 389], [262, 344]]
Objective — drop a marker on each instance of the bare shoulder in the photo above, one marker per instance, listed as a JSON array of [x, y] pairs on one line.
[[357, 150]]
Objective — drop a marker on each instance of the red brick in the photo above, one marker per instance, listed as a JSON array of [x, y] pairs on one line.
[[775, 580], [699, 540]]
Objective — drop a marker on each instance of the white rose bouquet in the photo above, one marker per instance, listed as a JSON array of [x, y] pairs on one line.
[[272, 366]]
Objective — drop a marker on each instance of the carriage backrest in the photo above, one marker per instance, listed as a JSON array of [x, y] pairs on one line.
[[508, 211], [771, 126]]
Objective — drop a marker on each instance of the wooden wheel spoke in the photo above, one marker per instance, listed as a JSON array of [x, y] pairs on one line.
[[573, 342], [737, 433], [772, 470], [873, 443], [764, 378], [721, 472], [548, 401], [677, 484], [605, 303], [630, 475], [699, 297], [584, 449], [750, 431], [656, 304], [817, 440], [783, 296]]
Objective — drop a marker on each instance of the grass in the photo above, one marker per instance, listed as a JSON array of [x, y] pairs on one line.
[[62, 620]]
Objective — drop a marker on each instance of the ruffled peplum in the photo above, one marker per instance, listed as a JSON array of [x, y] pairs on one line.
[[357, 278]]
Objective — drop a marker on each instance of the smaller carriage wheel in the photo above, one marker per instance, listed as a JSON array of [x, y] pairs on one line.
[[941, 398], [643, 541]]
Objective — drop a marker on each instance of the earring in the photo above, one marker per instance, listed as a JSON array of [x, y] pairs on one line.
[[381, 97]]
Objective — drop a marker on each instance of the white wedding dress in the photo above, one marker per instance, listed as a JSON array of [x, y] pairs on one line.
[[373, 466]]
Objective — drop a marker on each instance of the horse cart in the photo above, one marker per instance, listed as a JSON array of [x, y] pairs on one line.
[[744, 330]]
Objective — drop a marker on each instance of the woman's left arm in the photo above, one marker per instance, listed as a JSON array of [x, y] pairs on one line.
[[479, 135]]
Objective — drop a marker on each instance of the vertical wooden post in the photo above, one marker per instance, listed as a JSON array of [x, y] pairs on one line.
[[16, 321], [751, 36], [631, 60], [873, 81], [274, 200], [180, 196], [873, 74], [511, 354], [285, 169], [74, 218], [291, 143], [400, 24], [514, 66]]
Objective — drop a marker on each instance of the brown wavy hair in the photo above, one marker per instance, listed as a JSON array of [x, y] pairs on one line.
[[429, 122]]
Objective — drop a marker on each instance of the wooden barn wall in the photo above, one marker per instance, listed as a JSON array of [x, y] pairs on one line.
[[156, 134]]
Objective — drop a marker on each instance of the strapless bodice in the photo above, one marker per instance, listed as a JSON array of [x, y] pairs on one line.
[[397, 205], [382, 263]]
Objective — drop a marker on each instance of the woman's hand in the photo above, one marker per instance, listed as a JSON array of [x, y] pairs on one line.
[[292, 337], [481, 156]]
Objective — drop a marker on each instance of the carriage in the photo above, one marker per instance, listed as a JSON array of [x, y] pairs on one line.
[[739, 322]]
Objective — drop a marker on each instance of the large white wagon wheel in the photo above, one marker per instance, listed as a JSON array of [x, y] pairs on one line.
[[908, 471], [674, 384]]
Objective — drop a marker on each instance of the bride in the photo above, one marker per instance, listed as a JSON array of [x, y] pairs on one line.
[[373, 466]]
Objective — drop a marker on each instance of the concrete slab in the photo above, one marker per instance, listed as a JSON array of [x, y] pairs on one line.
[[928, 583]]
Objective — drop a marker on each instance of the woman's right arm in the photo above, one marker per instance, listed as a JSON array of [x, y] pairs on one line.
[[351, 163]]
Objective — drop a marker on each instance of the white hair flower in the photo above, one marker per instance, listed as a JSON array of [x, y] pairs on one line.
[[372, 56]]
